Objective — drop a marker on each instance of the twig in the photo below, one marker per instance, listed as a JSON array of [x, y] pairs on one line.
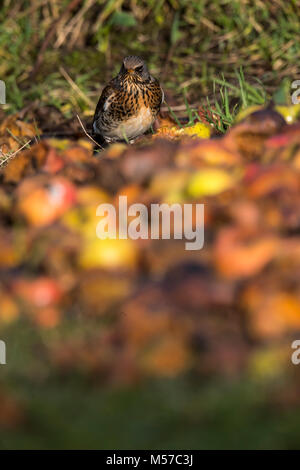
[[86, 133], [74, 86], [14, 153], [181, 107]]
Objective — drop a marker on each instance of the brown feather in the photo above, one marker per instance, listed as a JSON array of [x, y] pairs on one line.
[[128, 104]]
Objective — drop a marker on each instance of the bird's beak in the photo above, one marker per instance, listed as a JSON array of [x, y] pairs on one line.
[[130, 71]]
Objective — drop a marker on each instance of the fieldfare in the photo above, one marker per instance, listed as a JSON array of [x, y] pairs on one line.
[[129, 104]]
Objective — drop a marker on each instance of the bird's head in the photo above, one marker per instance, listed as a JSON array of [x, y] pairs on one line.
[[134, 69]]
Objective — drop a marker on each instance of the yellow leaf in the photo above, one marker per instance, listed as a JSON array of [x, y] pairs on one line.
[[198, 130], [209, 182], [290, 113], [108, 254]]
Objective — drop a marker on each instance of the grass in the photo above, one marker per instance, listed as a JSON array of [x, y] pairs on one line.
[[232, 99], [228, 100], [72, 415], [73, 410], [198, 42]]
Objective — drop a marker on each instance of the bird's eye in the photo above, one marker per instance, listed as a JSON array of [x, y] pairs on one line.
[[139, 69]]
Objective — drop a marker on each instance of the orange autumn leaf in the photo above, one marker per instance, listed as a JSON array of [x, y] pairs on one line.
[[271, 314], [9, 311], [236, 257], [164, 120], [273, 179], [15, 132], [207, 152], [25, 162], [131, 191]]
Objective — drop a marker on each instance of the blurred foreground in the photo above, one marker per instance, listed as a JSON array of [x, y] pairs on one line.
[[142, 344]]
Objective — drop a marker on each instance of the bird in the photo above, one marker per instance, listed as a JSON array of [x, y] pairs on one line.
[[129, 104]]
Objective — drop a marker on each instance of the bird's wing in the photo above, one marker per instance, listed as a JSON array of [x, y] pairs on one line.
[[104, 100], [158, 95]]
